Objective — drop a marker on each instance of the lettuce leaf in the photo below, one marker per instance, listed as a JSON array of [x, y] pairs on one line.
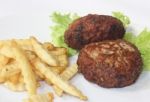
[[142, 41], [129, 37], [61, 22], [125, 19]]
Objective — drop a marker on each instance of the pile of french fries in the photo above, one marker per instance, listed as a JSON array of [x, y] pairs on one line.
[[25, 62]]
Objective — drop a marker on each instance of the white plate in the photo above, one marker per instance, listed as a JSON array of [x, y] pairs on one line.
[[21, 19]]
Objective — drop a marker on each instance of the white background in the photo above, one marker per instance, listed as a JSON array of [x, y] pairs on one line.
[[23, 18]]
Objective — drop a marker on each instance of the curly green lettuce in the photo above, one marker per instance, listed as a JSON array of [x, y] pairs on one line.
[[123, 18], [142, 41], [61, 22]]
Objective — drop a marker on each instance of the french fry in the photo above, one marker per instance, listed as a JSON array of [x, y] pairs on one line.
[[40, 98], [43, 53], [69, 72], [61, 55], [2, 79], [23, 43], [63, 60], [58, 51], [48, 82], [30, 55], [58, 69], [9, 70], [6, 51], [3, 60], [26, 69], [66, 75], [39, 75], [16, 83], [57, 80], [15, 78], [15, 87], [25, 62], [48, 46]]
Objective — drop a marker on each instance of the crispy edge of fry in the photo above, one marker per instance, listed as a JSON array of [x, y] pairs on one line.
[[43, 53], [63, 59], [66, 75], [6, 51], [57, 80], [18, 41], [3, 60], [58, 51], [26, 69], [8, 71], [61, 55], [19, 86], [58, 69], [15, 87], [2, 80], [48, 46], [14, 78], [23, 43]]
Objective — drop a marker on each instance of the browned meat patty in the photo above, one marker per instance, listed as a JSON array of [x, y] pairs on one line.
[[93, 28], [110, 64]]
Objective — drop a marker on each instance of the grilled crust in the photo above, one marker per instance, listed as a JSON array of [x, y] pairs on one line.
[[110, 64], [93, 28]]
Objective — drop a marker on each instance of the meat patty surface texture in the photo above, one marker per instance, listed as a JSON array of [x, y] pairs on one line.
[[110, 64], [93, 28]]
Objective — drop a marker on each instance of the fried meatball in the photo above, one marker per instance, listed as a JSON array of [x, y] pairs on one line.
[[93, 28], [110, 64]]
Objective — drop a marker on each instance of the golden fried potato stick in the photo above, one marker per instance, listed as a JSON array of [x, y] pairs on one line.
[[57, 80], [2, 79], [15, 83], [48, 46], [40, 98], [31, 56], [8, 71], [66, 75], [6, 51], [15, 78], [23, 43], [61, 55], [15, 87], [63, 59], [3, 60], [43, 53], [58, 51], [26, 68], [57, 69]]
